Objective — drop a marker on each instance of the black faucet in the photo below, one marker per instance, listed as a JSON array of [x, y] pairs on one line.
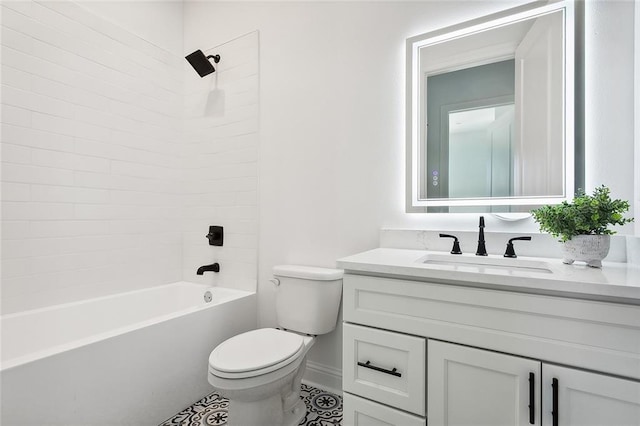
[[510, 251], [482, 249], [456, 243], [215, 267]]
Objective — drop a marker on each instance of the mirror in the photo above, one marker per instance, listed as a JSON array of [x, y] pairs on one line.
[[490, 112]]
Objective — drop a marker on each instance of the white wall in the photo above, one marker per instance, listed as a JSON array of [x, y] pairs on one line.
[[220, 159], [636, 113], [91, 125], [609, 97], [163, 30], [332, 123]]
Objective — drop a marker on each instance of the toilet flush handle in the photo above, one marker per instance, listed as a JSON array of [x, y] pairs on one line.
[[275, 281]]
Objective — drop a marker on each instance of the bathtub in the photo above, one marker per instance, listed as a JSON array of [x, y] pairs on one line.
[[133, 358]]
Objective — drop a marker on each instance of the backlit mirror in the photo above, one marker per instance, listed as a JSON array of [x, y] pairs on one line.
[[490, 112]]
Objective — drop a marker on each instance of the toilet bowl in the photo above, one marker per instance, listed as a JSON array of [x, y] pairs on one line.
[[261, 371]]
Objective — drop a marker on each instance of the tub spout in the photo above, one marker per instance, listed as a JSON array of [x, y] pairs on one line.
[[215, 267]]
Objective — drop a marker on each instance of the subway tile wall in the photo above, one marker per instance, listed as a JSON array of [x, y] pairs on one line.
[[105, 186], [221, 165]]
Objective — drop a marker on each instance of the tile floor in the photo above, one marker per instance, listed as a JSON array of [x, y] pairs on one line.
[[323, 409]]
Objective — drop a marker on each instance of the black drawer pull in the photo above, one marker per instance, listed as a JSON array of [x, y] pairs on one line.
[[555, 409], [532, 399], [367, 364]]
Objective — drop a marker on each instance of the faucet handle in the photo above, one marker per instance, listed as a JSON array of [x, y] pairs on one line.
[[215, 235], [510, 252], [456, 245]]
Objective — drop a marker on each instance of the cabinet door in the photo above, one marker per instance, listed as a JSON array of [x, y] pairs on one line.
[[467, 386], [584, 398]]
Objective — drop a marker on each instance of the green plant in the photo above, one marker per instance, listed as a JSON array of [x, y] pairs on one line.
[[587, 214]]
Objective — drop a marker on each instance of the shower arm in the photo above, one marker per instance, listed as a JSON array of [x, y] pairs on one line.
[[216, 58]]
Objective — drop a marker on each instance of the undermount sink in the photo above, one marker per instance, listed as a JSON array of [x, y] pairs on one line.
[[524, 265]]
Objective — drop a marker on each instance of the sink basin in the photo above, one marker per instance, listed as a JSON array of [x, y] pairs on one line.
[[504, 263]]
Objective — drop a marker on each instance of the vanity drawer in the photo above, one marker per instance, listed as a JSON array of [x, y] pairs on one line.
[[385, 366], [362, 412]]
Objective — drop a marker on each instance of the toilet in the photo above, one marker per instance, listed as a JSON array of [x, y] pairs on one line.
[[260, 371]]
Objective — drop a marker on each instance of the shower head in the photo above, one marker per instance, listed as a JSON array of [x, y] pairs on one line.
[[201, 63]]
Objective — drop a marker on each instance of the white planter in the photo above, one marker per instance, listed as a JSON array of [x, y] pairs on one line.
[[586, 248]]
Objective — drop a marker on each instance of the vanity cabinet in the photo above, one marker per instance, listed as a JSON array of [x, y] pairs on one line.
[[476, 355]]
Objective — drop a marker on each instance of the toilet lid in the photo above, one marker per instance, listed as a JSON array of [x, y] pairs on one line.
[[256, 350]]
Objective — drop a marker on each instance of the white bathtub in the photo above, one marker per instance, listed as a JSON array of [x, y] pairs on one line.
[[134, 358]]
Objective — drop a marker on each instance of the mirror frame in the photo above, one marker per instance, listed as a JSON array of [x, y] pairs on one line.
[[414, 202]]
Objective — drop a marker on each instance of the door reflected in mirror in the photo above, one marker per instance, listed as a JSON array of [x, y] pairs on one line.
[[490, 112], [480, 152]]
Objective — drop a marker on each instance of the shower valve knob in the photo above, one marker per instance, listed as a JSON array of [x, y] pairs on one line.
[[215, 235]]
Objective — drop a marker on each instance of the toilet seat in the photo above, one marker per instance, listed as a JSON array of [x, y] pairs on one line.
[[255, 353]]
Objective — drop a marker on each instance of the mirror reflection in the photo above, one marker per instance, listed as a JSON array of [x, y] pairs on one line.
[[480, 152], [490, 112]]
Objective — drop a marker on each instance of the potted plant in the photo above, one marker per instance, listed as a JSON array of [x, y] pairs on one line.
[[583, 225]]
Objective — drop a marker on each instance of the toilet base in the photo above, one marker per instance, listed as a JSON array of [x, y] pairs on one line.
[[268, 411], [277, 403]]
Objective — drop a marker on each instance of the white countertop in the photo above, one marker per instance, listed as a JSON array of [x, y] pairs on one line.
[[615, 282]]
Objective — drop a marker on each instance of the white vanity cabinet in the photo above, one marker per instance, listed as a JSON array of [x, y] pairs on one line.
[[489, 356]]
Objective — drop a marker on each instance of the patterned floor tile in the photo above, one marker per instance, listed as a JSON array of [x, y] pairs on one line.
[[323, 409]]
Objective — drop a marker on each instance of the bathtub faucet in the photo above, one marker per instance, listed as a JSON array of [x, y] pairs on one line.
[[215, 267]]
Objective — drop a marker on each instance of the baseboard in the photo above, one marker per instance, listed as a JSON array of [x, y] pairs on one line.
[[323, 377]]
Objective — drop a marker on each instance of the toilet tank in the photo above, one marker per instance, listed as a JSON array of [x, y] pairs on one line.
[[308, 298]]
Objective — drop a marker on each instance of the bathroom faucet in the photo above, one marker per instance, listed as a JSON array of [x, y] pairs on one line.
[[215, 267], [482, 249], [510, 251], [456, 243]]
